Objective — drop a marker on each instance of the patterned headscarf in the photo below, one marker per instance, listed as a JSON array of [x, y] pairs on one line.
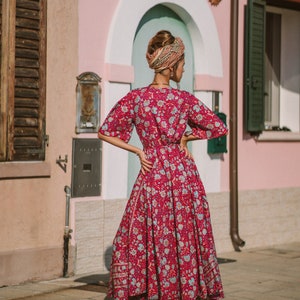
[[167, 56]]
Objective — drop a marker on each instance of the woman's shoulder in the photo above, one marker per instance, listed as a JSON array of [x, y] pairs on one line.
[[186, 93], [175, 91], [187, 96], [131, 95], [139, 90], [134, 93]]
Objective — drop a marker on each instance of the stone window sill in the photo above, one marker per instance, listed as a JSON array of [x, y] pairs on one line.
[[278, 136], [30, 169]]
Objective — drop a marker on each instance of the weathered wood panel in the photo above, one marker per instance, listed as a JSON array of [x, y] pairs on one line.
[[31, 83], [27, 63], [27, 43], [27, 53], [28, 93], [29, 104], [26, 112], [3, 121], [27, 33], [30, 4], [27, 13], [26, 141], [26, 122], [27, 72], [26, 131], [28, 23]]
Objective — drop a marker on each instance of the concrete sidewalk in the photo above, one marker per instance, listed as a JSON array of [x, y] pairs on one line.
[[260, 274]]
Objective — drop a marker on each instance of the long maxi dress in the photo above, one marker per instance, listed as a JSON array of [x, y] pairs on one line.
[[164, 247]]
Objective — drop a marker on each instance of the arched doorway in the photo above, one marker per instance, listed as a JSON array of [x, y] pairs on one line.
[[157, 18]]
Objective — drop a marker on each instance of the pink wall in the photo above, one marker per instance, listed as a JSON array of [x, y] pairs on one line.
[[263, 165], [268, 165], [95, 18]]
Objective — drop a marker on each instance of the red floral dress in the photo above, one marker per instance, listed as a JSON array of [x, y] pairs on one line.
[[164, 247]]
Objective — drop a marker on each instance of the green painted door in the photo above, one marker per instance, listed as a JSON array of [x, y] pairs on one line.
[[156, 19]]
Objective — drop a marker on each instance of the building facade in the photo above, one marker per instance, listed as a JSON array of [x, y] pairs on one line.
[[57, 52]]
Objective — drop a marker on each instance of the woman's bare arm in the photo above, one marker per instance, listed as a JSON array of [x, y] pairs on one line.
[[146, 165]]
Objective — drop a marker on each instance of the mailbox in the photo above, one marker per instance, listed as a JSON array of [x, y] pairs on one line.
[[86, 167], [218, 145]]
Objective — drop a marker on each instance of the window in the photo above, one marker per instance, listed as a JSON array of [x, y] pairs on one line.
[[272, 70], [272, 67], [282, 69], [22, 84]]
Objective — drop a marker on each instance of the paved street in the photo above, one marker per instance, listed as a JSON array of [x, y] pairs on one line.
[[260, 274]]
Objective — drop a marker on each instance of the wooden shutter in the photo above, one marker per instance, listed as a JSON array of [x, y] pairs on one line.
[[3, 92], [254, 66], [23, 93], [30, 63]]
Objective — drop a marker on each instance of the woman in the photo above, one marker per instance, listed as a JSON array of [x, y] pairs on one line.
[[164, 247]]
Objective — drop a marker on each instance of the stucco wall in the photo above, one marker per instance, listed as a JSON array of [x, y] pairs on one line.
[[33, 209]]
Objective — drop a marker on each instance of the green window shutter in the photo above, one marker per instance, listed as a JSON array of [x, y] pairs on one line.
[[28, 140], [254, 66]]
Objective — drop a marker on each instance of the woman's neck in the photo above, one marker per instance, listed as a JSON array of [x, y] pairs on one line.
[[160, 80]]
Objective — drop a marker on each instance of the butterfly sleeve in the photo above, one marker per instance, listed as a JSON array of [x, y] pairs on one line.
[[205, 124], [119, 121]]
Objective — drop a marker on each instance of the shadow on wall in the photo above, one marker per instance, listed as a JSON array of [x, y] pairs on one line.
[[107, 258], [99, 279]]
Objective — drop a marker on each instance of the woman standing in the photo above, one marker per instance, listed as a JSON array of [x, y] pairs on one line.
[[164, 247]]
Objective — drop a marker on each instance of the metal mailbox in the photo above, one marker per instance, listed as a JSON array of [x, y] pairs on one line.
[[218, 145], [86, 167]]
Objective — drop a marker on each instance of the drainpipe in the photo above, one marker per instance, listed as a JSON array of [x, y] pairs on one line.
[[233, 137], [67, 232]]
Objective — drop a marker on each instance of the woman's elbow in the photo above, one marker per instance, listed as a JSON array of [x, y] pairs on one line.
[[101, 136]]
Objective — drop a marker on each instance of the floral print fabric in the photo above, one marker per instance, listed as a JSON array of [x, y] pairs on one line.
[[164, 247]]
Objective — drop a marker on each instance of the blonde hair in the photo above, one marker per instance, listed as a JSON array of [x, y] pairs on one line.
[[161, 39]]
